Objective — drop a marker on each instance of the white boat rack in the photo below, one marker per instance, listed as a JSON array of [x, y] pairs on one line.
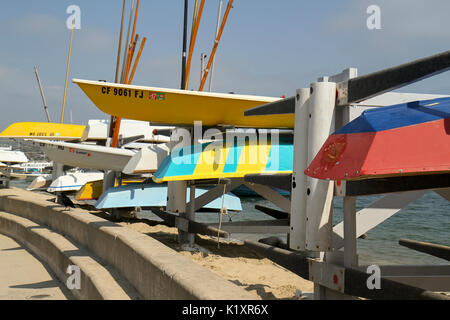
[[327, 254], [186, 209]]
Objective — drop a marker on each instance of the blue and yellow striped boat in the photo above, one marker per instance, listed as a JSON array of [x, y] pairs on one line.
[[222, 159]]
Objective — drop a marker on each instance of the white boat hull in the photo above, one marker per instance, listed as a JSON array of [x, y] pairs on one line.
[[12, 156], [105, 158], [87, 156], [98, 130], [74, 181], [40, 183]]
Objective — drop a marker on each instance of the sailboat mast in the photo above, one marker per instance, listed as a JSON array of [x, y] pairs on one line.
[[120, 43], [217, 33], [125, 56], [132, 45], [129, 60], [67, 72], [113, 119], [183, 61], [216, 44], [42, 94], [193, 40], [136, 62]]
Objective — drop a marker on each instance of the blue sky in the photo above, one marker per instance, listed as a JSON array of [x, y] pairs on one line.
[[268, 47]]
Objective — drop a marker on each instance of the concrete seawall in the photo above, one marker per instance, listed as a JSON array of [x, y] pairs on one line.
[[153, 269], [96, 281]]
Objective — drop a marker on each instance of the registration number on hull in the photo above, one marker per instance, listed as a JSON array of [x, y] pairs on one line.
[[134, 94]]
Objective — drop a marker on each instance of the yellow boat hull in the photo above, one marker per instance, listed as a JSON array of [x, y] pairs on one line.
[[43, 130], [180, 107], [93, 190]]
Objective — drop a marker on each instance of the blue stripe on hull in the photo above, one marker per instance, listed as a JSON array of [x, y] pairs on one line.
[[397, 116]]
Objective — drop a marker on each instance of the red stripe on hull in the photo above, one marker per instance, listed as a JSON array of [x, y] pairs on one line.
[[414, 149]]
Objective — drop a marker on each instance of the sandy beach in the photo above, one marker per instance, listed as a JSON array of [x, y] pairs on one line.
[[234, 262]]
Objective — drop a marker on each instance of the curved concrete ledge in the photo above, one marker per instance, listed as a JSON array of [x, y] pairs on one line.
[[156, 271], [96, 281]]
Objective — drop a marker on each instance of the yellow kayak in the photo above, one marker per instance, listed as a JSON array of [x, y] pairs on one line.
[[43, 130], [180, 107]]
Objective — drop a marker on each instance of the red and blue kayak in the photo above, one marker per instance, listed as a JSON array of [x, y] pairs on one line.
[[405, 139]]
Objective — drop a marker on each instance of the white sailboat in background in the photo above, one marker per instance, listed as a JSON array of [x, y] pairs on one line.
[[73, 181], [41, 182], [8, 156], [31, 170]]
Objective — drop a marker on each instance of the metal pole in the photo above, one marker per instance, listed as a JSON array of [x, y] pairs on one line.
[[183, 61], [127, 70], [120, 42], [350, 257], [202, 65], [190, 237], [176, 190], [136, 62], [194, 20], [319, 201], [42, 94], [113, 119], [133, 44], [217, 33], [216, 44], [193, 40], [297, 234], [125, 57], [67, 73]]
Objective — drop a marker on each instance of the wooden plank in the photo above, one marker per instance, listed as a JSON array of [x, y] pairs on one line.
[[277, 214], [188, 225], [285, 106], [373, 84], [294, 262], [356, 285], [271, 195], [259, 227], [435, 250], [281, 181], [395, 184]]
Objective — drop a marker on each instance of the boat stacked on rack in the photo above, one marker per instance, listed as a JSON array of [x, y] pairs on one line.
[[31, 170], [8, 156]]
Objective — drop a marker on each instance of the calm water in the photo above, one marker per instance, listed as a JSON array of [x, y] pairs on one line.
[[426, 219]]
